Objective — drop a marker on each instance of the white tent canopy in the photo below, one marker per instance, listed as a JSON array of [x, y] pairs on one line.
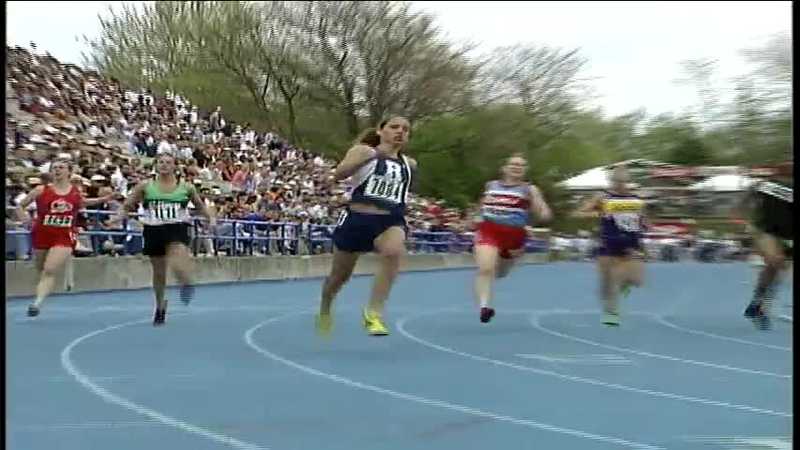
[[596, 178], [723, 183]]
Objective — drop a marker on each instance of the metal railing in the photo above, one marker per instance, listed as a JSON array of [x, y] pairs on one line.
[[237, 237]]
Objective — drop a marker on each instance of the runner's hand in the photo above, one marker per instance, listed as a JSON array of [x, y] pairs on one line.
[[115, 221]]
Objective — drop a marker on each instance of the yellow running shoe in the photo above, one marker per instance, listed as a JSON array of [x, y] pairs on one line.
[[611, 319], [373, 323], [324, 324]]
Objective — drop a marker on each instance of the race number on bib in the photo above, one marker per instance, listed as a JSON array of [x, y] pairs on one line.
[[384, 188], [167, 211], [57, 221], [628, 222]]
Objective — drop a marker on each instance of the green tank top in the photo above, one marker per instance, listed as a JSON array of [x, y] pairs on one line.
[[163, 208]]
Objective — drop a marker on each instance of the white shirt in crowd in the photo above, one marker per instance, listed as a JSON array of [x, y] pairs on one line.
[[119, 182], [186, 152], [206, 174], [94, 131], [166, 147]]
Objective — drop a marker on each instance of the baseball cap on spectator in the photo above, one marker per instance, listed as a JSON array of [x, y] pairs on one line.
[[98, 178], [34, 181]]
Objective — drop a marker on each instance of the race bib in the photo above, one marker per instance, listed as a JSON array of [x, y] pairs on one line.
[[57, 221], [167, 212], [628, 222], [385, 188]]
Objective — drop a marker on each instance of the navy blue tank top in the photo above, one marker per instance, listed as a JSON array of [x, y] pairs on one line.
[[383, 182], [621, 216]]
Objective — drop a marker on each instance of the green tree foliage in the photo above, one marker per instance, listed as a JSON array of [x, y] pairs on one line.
[[318, 72]]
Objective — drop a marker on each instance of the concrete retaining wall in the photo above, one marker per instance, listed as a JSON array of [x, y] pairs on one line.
[[106, 273]]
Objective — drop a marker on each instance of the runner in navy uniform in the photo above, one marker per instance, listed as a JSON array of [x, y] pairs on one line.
[[620, 254], [374, 219]]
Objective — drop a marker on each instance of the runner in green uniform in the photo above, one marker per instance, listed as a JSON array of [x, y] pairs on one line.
[[166, 229]]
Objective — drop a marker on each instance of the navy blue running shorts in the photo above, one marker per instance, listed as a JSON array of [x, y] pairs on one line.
[[356, 232]]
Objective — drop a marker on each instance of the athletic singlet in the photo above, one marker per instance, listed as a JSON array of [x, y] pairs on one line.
[[774, 212], [621, 216], [506, 205], [162, 208], [55, 211], [383, 182]]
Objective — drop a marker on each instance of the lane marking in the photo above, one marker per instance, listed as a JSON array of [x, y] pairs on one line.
[[81, 426], [661, 320], [590, 360], [746, 442], [685, 398], [534, 320], [110, 397], [248, 338]]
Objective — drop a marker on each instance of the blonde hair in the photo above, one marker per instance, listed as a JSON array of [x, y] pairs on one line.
[[619, 173]]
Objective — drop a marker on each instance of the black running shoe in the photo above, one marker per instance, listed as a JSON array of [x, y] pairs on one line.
[[33, 311], [753, 310], [486, 314], [160, 317], [187, 293], [762, 322]]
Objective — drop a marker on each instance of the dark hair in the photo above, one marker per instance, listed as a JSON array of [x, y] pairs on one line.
[[169, 154], [371, 137], [517, 155]]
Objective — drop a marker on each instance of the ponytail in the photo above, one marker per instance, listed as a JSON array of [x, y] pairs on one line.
[[369, 137]]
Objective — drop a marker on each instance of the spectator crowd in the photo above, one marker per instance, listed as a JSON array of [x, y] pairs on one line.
[[113, 134]]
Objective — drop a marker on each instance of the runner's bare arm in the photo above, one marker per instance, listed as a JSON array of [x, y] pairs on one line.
[[21, 211], [200, 205], [133, 200], [591, 208], [356, 157], [539, 206]]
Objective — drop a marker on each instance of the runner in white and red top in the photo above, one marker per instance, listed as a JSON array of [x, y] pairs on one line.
[[506, 208], [54, 230]]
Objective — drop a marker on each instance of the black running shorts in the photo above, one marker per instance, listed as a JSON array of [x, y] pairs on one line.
[[158, 237]]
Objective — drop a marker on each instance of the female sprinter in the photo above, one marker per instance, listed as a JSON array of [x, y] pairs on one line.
[[620, 257], [374, 220], [54, 233], [506, 207], [166, 229]]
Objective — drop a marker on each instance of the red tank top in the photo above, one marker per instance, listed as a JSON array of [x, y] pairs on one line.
[[54, 211]]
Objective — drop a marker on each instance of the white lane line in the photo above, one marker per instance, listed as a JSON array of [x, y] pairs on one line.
[[114, 378], [110, 397], [665, 322], [534, 320], [685, 398], [82, 426], [248, 337], [590, 360]]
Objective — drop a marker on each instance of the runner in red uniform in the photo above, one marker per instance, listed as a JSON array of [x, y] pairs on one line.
[[507, 207], [54, 230]]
